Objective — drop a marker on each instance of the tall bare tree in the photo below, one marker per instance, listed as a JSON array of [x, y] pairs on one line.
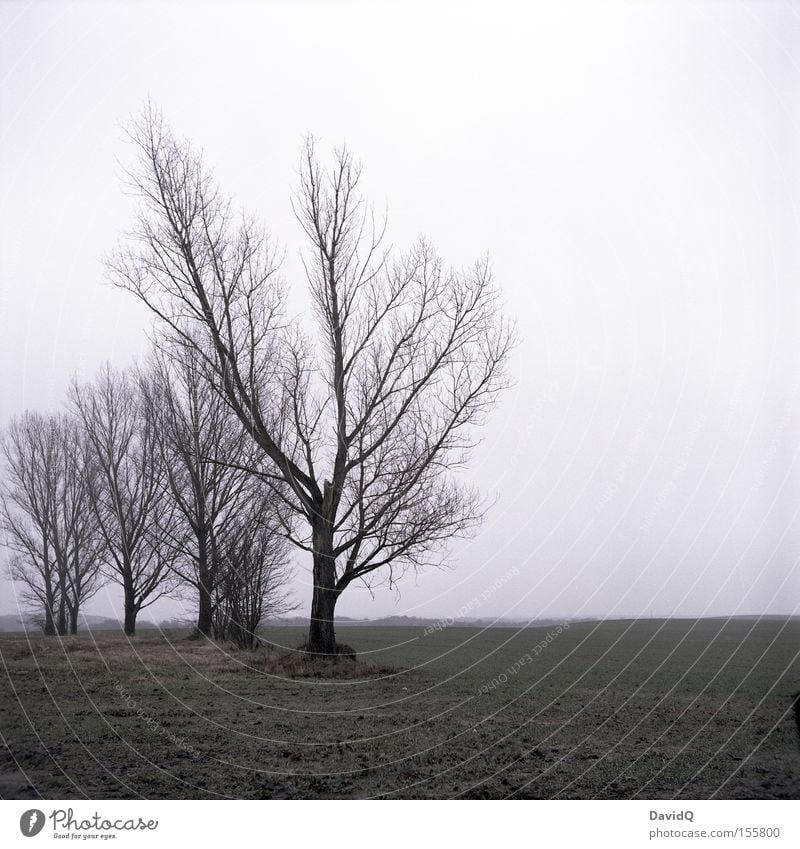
[[76, 538], [365, 424], [206, 455], [30, 448], [128, 496], [47, 518]]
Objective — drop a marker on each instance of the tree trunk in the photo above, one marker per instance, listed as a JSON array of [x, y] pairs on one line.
[[205, 607], [49, 624], [205, 613], [321, 632], [130, 609], [73, 620], [49, 596], [62, 615]]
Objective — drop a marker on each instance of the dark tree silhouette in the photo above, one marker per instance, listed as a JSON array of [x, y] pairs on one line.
[[206, 455], [254, 571], [47, 517], [135, 518], [365, 424]]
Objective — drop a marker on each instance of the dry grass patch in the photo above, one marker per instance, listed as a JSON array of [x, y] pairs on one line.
[[168, 651]]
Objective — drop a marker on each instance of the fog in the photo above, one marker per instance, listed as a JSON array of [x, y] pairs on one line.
[[632, 170]]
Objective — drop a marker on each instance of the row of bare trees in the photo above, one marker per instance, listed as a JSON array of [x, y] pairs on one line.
[[346, 429], [147, 482]]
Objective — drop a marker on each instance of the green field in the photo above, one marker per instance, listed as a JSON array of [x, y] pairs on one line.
[[619, 709]]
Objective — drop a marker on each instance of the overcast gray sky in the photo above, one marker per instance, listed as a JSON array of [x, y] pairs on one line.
[[633, 170]]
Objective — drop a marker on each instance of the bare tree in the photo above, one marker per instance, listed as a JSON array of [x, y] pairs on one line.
[[77, 542], [206, 455], [128, 496], [30, 448], [254, 573], [365, 425], [47, 517]]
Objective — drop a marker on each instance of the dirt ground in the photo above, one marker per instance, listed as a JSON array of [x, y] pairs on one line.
[[650, 709]]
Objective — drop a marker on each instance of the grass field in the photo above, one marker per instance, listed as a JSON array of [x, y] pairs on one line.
[[662, 709]]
